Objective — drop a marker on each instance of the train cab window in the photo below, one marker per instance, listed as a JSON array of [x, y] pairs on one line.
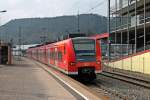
[[84, 49]]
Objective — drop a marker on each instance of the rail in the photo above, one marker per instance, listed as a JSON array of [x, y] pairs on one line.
[[127, 78]]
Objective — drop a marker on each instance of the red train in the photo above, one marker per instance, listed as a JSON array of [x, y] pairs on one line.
[[80, 56]]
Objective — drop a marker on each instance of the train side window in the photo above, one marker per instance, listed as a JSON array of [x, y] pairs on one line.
[[49, 54], [60, 56], [56, 53], [52, 55], [64, 49]]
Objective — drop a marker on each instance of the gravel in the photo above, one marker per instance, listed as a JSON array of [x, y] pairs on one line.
[[133, 92]]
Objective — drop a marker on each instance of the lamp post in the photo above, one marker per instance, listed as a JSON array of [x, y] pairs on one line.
[[108, 30], [3, 11]]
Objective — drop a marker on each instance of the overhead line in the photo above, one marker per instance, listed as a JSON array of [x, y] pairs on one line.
[[95, 6]]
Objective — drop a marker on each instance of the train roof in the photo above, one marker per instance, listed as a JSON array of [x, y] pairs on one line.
[[72, 35], [81, 38], [59, 42]]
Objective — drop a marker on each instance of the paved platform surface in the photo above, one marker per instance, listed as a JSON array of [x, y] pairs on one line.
[[26, 81]]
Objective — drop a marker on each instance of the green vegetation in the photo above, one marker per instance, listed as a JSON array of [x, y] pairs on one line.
[[33, 30]]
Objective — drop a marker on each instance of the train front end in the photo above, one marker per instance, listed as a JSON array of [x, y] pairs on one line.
[[87, 60]]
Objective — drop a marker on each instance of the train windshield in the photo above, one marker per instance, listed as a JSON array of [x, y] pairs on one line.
[[84, 49]]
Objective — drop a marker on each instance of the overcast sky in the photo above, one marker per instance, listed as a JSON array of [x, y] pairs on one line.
[[49, 8]]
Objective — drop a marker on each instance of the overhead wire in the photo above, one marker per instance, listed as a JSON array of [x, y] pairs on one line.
[[73, 6], [96, 6]]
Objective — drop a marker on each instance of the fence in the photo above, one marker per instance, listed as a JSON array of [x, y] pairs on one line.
[[123, 57]]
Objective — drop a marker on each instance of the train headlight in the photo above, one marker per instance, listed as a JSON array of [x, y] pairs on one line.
[[98, 62], [72, 63]]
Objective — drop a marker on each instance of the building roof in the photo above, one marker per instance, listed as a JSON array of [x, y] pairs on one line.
[[131, 8], [23, 47]]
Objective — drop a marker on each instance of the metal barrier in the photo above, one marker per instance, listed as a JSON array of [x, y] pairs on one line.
[[123, 57]]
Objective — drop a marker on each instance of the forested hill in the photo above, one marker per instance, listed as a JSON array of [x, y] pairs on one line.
[[32, 29]]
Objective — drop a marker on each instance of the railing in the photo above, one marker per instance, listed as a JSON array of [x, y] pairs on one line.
[[125, 25], [118, 51]]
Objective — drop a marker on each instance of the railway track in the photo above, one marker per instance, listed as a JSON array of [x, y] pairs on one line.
[[126, 78]]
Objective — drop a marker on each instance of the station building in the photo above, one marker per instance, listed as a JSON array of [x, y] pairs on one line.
[[130, 35], [130, 23]]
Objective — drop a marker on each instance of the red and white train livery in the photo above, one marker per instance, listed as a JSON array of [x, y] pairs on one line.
[[79, 56]]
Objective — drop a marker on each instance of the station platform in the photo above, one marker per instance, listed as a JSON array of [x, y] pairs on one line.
[[24, 80]]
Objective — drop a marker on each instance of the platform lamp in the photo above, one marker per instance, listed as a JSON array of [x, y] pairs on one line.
[[3, 11]]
